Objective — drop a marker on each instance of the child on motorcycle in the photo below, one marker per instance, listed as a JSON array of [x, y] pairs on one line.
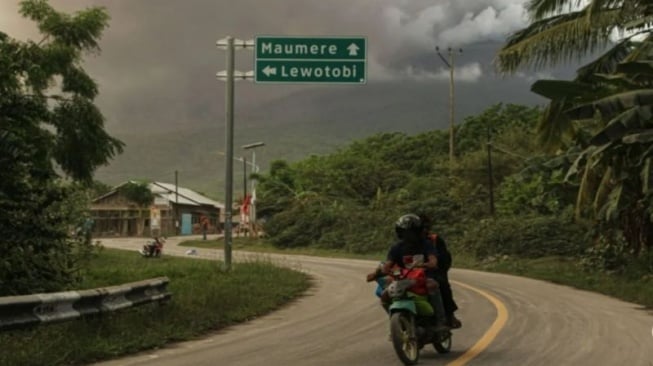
[[382, 282]]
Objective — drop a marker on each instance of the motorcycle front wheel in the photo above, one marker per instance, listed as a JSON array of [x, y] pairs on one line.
[[404, 341]]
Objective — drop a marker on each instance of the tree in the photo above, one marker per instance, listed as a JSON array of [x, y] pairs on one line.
[[558, 33], [138, 193], [48, 120], [605, 112]]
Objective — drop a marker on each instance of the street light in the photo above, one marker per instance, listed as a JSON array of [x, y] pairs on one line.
[[450, 65], [255, 169], [245, 163]]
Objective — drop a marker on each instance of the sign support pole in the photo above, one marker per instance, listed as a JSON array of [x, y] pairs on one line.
[[229, 103], [229, 76]]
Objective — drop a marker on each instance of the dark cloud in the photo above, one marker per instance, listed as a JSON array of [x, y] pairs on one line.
[[158, 64], [159, 58]]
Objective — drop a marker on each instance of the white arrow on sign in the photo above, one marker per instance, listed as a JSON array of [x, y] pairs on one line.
[[353, 49], [269, 70]]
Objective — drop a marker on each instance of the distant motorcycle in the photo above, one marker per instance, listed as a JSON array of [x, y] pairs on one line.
[[152, 249], [410, 327]]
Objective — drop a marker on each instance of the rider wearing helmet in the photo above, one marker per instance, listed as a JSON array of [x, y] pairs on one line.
[[413, 251]]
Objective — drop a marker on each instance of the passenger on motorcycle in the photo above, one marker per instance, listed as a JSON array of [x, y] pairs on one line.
[[442, 272], [413, 251]]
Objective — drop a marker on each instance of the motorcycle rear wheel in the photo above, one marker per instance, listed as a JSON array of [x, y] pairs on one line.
[[404, 339], [444, 343]]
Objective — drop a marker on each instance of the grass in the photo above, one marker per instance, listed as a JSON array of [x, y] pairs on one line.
[[636, 288], [261, 246], [633, 288], [204, 299]]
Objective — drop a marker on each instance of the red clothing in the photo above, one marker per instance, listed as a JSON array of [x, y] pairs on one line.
[[419, 275]]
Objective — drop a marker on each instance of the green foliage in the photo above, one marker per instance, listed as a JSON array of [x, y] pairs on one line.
[[473, 134], [97, 189], [43, 127], [137, 192], [602, 117], [538, 189], [78, 143], [252, 289], [525, 237], [349, 200], [38, 252], [608, 253]]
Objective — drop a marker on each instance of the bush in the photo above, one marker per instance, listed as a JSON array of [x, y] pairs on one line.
[[611, 253], [303, 224], [37, 252], [528, 237]]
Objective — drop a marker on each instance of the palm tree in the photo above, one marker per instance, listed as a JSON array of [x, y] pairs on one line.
[[562, 31], [605, 115]]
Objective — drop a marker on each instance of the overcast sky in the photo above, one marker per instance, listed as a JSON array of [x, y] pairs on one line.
[[166, 39], [165, 49], [158, 63]]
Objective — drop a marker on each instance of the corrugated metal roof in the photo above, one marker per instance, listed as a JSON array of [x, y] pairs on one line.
[[186, 196], [165, 193]]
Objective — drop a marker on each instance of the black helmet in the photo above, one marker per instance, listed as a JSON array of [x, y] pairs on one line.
[[409, 222]]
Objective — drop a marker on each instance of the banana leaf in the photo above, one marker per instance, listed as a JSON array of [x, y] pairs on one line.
[[558, 89], [639, 138], [632, 120], [613, 105]]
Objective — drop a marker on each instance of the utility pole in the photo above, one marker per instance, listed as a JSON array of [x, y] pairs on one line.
[[176, 223], [451, 65], [489, 170], [229, 75]]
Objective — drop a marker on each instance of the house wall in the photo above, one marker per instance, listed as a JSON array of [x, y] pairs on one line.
[[196, 213], [115, 215]]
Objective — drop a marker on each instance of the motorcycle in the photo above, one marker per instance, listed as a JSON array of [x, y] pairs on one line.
[[411, 319], [152, 249]]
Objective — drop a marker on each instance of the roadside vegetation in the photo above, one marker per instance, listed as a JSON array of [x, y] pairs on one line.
[[634, 285], [52, 139], [204, 298], [571, 181]]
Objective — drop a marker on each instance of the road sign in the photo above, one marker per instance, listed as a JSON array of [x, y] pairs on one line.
[[340, 60]]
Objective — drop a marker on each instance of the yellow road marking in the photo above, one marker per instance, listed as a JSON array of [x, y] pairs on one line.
[[490, 334]]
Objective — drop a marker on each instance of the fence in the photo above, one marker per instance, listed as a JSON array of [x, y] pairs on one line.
[[29, 310]]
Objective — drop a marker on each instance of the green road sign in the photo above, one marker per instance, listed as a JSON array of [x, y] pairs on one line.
[[310, 71], [310, 60]]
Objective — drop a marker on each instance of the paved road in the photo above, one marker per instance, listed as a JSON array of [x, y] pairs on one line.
[[507, 320]]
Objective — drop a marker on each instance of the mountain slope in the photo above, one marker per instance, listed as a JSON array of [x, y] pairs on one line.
[[295, 125]]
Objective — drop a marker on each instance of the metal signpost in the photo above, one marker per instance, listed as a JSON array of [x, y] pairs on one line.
[[230, 44], [285, 59]]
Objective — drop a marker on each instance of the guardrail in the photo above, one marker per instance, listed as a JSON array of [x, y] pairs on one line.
[[29, 310]]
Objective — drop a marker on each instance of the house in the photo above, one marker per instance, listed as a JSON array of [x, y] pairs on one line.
[[115, 215]]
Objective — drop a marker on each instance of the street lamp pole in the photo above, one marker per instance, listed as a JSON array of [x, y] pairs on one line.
[[255, 169], [244, 189], [244, 178], [450, 64]]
